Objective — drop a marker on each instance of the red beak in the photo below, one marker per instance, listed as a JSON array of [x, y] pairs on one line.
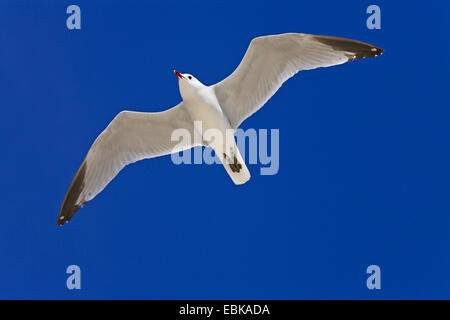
[[179, 75]]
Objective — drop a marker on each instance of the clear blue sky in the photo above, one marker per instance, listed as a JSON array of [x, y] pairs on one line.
[[364, 155]]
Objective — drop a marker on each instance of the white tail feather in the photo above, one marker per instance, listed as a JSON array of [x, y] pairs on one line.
[[235, 167]]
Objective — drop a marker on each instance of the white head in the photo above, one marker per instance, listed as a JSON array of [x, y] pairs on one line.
[[188, 84]]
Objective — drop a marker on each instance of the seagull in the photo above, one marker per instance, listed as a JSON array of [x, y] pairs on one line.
[[268, 62]]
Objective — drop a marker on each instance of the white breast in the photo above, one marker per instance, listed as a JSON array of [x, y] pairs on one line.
[[205, 107]]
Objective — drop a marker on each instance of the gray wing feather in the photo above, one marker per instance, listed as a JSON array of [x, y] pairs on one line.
[[130, 137], [271, 60]]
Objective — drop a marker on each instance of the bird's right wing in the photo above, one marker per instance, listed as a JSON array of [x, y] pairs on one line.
[[271, 60], [130, 137]]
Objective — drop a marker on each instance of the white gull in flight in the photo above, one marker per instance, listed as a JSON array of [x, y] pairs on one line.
[[267, 64]]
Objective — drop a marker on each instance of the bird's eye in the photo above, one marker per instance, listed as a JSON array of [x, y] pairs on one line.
[[190, 77]]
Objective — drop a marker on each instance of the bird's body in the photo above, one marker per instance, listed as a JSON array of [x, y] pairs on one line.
[[208, 116], [203, 106], [267, 64]]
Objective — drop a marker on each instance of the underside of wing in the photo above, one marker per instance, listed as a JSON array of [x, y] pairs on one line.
[[271, 60], [130, 137]]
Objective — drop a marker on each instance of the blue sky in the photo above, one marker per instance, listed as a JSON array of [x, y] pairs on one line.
[[364, 170]]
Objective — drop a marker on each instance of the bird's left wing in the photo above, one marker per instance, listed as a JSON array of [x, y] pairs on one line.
[[131, 136], [271, 60]]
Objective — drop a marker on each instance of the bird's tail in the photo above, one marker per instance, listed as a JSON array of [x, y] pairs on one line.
[[235, 166]]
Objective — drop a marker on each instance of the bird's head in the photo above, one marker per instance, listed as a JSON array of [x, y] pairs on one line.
[[188, 84]]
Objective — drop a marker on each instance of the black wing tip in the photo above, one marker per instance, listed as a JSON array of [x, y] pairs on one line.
[[66, 216], [355, 50], [69, 206]]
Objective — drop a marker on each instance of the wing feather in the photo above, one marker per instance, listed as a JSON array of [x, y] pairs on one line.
[[271, 60], [130, 137]]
